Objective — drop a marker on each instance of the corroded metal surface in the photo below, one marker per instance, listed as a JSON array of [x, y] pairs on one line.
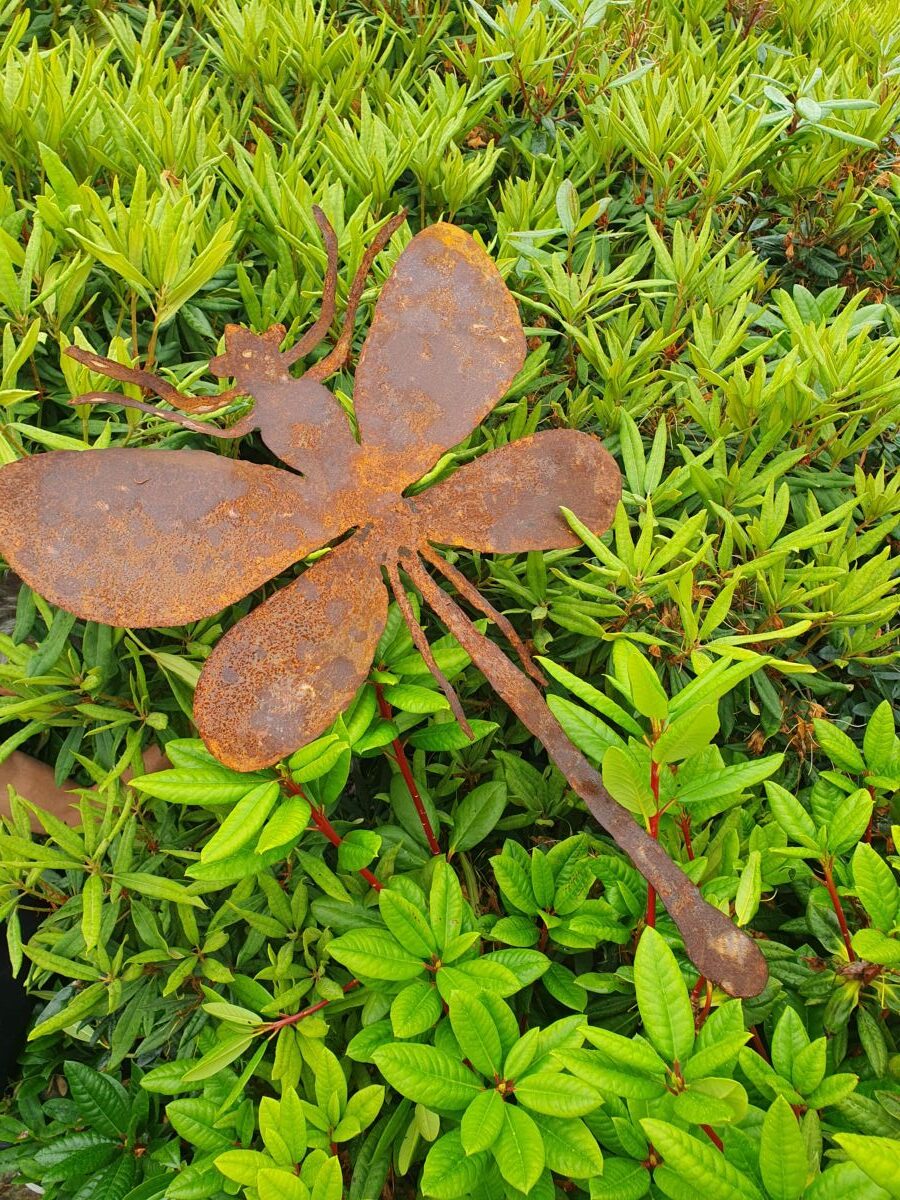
[[280, 676], [444, 346], [150, 537], [140, 537], [508, 500]]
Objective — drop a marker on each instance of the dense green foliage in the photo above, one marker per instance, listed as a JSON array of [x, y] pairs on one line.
[[267, 985]]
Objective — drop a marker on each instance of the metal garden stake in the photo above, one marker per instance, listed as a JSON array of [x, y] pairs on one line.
[[138, 537]]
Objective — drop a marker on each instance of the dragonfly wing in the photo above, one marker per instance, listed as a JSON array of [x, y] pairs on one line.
[[151, 537], [444, 345], [508, 500], [280, 676]]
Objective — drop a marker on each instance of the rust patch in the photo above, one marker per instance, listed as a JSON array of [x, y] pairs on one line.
[[154, 537]]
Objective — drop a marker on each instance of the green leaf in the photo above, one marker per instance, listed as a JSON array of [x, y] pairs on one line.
[[91, 911], [841, 749], [407, 924], [876, 887], [791, 815], [515, 931], [194, 1119], [568, 206], [515, 883], [590, 695], [412, 698], [285, 825], [100, 1099], [75, 1154], [876, 1157], [727, 781], [721, 1054], [570, 1149], [749, 890], [880, 741], [687, 734], [711, 1102], [242, 824], [699, 1164], [57, 965], [482, 1121], [207, 786], [361, 1110], [646, 691], [519, 1149], [842, 1180], [627, 782], [782, 1153], [450, 1172], [277, 1183], [415, 1008], [448, 735], [591, 735], [445, 904], [427, 1075], [872, 1039], [557, 1095], [663, 1000], [633, 1053], [850, 821], [157, 888], [477, 814], [622, 1179], [606, 1077], [476, 1033], [330, 1085], [242, 1166], [543, 884], [225, 1052], [375, 954], [874, 947]]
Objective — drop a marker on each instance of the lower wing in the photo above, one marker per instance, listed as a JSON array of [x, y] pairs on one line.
[[151, 537], [508, 501], [280, 676]]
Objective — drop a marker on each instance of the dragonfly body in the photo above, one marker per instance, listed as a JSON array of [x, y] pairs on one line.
[[158, 538]]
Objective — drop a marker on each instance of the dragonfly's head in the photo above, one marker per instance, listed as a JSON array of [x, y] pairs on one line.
[[250, 358]]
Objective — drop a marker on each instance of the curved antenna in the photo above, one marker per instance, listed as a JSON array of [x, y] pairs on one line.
[[316, 332], [149, 382], [469, 592], [245, 425], [340, 352], [421, 644]]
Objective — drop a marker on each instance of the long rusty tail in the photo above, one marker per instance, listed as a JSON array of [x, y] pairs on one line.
[[723, 953]]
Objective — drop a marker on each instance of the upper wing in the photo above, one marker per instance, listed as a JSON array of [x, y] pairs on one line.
[[444, 345], [280, 676], [508, 500], [151, 537]]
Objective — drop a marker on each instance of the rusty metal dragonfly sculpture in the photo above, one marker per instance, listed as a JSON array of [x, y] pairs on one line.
[[140, 537]]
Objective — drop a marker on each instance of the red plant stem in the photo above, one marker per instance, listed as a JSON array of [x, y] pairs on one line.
[[838, 908], [294, 1018], [707, 1004], [713, 1137], [653, 830], [325, 827], [686, 834], [406, 771], [759, 1044]]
